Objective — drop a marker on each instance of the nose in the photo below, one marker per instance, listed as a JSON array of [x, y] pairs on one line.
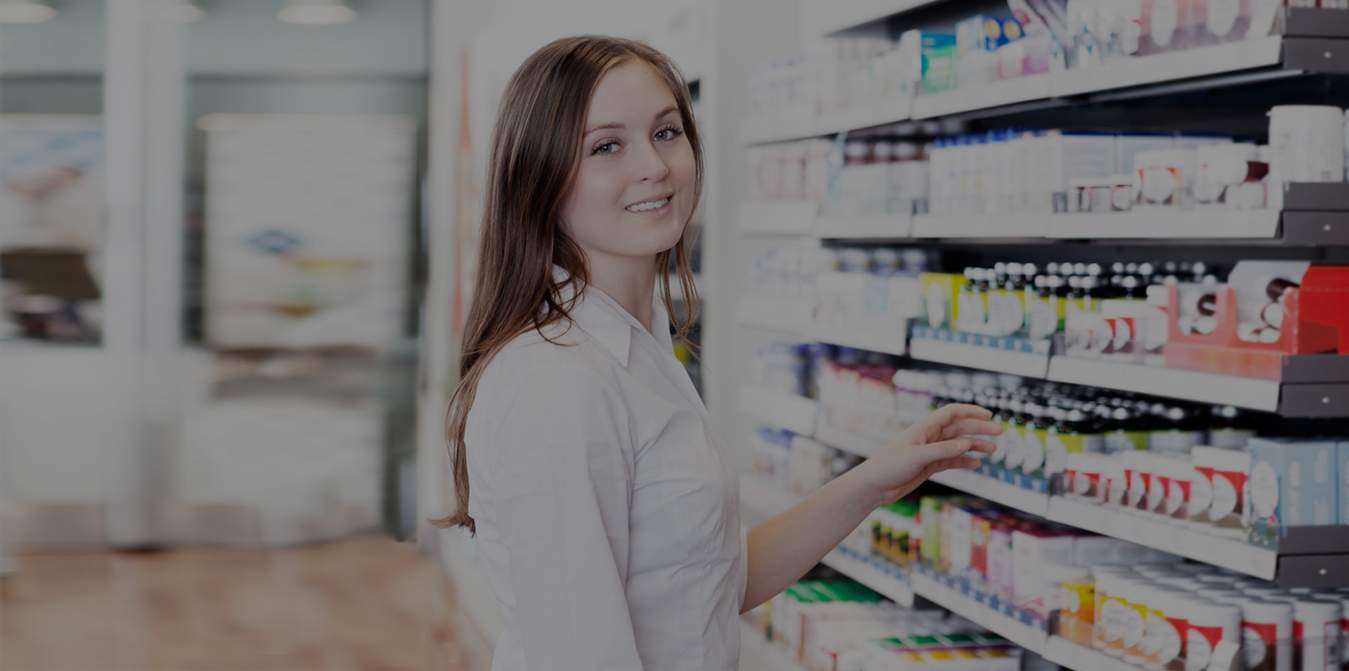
[[653, 167]]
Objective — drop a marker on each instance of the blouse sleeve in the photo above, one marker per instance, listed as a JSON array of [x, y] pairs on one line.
[[564, 486]]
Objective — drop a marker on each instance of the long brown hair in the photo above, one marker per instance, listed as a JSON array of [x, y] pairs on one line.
[[536, 146]]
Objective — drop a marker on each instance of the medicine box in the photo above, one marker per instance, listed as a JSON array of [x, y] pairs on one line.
[[1292, 483], [1031, 552], [1342, 471]]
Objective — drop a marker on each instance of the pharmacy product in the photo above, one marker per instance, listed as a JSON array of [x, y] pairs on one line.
[[1317, 629], [1293, 483], [1307, 142], [1267, 635], [1032, 551], [1342, 472], [1227, 471], [1209, 624]]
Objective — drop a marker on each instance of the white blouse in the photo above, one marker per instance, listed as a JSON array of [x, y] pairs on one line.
[[607, 513]]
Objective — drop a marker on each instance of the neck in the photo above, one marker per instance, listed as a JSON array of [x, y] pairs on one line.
[[629, 280]]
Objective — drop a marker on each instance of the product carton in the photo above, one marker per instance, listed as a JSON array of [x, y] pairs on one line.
[[1292, 483], [1342, 470], [1031, 551]]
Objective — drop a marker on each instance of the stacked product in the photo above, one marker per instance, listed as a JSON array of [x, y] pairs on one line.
[[1178, 616], [1256, 493], [833, 625], [868, 291], [794, 463]]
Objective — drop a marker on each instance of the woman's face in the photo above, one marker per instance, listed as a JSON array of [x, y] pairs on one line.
[[634, 186]]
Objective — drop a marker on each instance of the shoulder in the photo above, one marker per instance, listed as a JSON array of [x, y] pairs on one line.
[[561, 375]]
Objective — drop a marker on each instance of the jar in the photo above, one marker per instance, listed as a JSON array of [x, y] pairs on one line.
[[1267, 635], [1210, 623]]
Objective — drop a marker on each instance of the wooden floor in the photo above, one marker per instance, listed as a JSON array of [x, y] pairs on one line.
[[368, 604]]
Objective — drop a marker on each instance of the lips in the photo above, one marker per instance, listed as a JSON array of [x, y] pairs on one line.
[[650, 204]]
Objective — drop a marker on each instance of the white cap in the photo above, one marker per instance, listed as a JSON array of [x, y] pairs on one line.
[[1224, 578], [1277, 613], [1213, 614], [1316, 613]]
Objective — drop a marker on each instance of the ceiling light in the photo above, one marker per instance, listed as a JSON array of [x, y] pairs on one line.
[[186, 11], [316, 12], [25, 11]]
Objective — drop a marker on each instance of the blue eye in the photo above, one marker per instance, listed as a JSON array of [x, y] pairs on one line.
[[605, 148], [667, 134]]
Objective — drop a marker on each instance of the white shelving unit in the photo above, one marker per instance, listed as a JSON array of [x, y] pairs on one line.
[[780, 409], [848, 441], [864, 227], [865, 339], [773, 217], [1242, 392], [1009, 495], [1024, 635], [877, 574], [1025, 364], [980, 226], [1174, 66], [1233, 554], [789, 316], [984, 96], [1211, 224]]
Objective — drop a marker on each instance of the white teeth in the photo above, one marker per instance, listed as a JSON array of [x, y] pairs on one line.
[[646, 207]]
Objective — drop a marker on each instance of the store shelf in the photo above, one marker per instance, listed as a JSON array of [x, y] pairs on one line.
[[866, 339], [1251, 393], [878, 574], [1210, 224], [1065, 653], [997, 491], [757, 653], [826, 18], [998, 360], [772, 217], [984, 96], [1170, 67], [780, 409], [980, 226], [1183, 540], [1025, 635], [864, 227], [788, 316], [847, 441]]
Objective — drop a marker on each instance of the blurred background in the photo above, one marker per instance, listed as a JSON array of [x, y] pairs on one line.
[[236, 251]]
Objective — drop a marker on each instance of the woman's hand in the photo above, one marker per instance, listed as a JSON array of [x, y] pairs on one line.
[[936, 443]]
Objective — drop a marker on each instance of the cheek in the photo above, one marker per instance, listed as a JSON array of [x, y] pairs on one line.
[[595, 198]]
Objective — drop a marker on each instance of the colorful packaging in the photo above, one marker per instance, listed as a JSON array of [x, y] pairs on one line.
[[1227, 470], [929, 516], [1292, 484]]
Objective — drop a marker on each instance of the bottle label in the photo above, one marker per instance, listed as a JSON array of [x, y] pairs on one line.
[[1201, 493], [1056, 454], [1258, 640], [1033, 452], [1199, 644], [1264, 490]]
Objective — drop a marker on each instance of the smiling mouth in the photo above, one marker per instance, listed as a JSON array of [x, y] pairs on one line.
[[649, 205]]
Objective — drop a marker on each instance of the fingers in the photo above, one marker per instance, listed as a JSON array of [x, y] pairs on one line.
[[933, 426], [971, 427], [957, 447]]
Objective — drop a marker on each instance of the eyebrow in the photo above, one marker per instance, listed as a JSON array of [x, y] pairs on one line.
[[616, 126]]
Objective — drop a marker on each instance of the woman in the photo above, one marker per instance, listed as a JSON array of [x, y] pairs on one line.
[[605, 511]]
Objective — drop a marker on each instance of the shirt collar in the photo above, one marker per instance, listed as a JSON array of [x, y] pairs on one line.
[[603, 319]]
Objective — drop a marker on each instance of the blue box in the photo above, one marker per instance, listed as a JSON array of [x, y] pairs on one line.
[[1343, 472], [1293, 483]]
